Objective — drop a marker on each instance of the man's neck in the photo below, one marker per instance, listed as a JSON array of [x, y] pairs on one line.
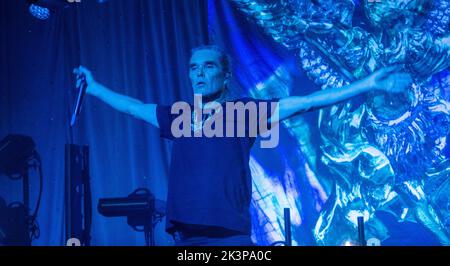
[[212, 97], [205, 99]]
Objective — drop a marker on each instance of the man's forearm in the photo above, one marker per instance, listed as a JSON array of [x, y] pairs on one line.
[[294, 105], [328, 97], [125, 104], [117, 101]]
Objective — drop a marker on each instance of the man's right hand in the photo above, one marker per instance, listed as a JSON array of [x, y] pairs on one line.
[[120, 102], [82, 71]]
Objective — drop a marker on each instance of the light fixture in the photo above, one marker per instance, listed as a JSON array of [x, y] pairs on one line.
[[42, 9], [39, 12]]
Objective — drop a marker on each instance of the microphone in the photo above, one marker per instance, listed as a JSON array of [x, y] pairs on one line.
[[81, 93]]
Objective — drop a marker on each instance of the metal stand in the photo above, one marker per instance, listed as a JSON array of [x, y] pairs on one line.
[[147, 226], [287, 230], [78, 203], [149, 234], [361, 236], [287, 227], [144, 220], [26, 199]]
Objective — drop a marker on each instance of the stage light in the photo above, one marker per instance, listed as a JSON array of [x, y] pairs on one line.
[[42, 9], [348, 243], [39, 12]]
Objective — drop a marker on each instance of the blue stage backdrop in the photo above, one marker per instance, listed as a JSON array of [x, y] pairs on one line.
[[139, 48]]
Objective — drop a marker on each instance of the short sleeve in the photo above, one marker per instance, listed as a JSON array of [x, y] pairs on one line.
[[165, 119], [266, 109]]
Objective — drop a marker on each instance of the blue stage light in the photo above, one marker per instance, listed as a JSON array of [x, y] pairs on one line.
[[39, 12], [43, 9]]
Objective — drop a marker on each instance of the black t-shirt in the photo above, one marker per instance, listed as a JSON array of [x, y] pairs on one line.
[[210, 180]]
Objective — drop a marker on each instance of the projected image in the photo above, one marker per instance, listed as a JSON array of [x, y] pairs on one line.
[[386, 155]]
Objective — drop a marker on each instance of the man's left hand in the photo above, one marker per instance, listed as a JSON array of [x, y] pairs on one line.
[[389, 79]]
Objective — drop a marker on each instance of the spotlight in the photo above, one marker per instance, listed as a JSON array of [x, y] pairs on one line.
[[42, 9], [39, 12]]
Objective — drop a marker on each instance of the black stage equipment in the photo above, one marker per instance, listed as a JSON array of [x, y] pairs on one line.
[[15, 152], [17, 155], [78, 201], [141, 209]]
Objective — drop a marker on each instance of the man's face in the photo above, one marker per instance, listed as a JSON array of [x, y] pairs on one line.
[[206, 72]]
